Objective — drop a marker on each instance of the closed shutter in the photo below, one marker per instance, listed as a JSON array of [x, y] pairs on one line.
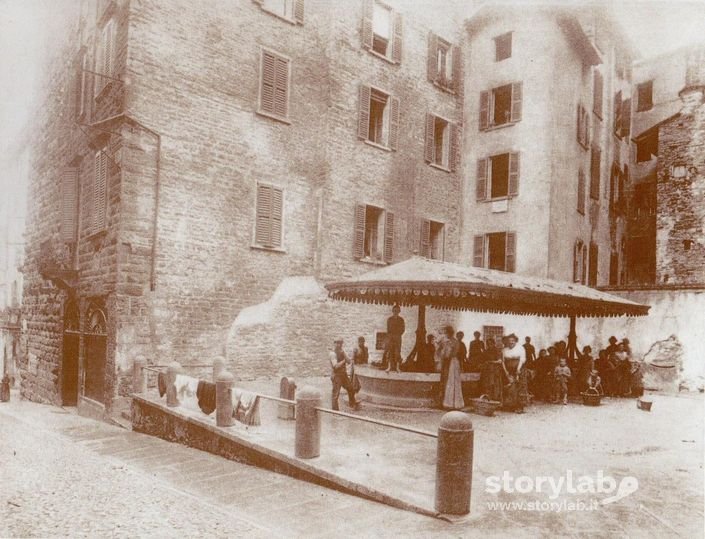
[[510, 252], [429, 145], [359, 232], [397, 39], [481, 182], [595, 173], [263, 225], [597, 91], [581, 191], [457, 70], [618, 112], [626, 117], [393, 122], [276, 218], [484, 110], [516, 101], [425, 239], [367, 14], [455, 146], [513, 174], [363, 124], [388, 236], [99, 190], [299, 11], [478, 251], [268, 82], [69, 204], [281, 90], [432, 59]]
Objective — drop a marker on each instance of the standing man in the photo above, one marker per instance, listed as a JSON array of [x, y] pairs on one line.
[[476, 352], [339, 362], [530, 351], [395, 329]]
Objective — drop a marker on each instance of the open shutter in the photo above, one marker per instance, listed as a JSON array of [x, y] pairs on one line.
[[397, 39], [69, 204], [429, 145], [109, 51], [478, 251], [618, 112], [82, 82], [583, 265], [455, 142], [388, 236], [299, 11], [425, 238], [457, 59], [367, 14], [510, 252], [363, 124], [359, 232], [580, 124], [263, 224], [513, 174], [597, 90], [99, 191], [268, 82], [595, 173], [276, 218], [516, 101], [432, 59], [576, 261], [481, 183], [581, 191], [393, 123], [484, 110], [281, 89], [626, 117]]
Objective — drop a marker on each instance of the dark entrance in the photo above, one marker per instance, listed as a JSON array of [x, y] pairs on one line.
[[69, 359], [95, 338]]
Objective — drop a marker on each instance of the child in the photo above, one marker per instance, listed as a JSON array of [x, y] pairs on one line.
[[594, 382], [562, 374]]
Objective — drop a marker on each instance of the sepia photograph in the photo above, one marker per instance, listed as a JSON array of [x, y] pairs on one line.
[[364, 268]]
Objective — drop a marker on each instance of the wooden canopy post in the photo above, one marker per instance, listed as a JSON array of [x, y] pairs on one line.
[[420, 334], [572, 339]]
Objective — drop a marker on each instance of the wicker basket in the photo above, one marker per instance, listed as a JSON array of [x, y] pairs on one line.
[[591, 397], [484, 406], [644, 405]]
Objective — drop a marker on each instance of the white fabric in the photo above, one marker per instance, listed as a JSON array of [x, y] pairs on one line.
[[186, 389], [453, 397]]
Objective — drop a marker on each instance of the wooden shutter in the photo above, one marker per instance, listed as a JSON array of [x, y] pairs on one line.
[[457, 59], [484, 110], [388, 236], [397, 38], [583, 265], [276, 218], [363, 124], [367, 14], [99, 190], [580, 124], [618, 112], [576, 264], [394, 123], [425, 238], [510, 252], [281, 88], [429, 145], [455, 146], [263, 224], [595, 173], [481, 181], [478, 251], [597, 91], [83, 83], [513, 174], [109, 51], [299, 11], [359, 232], [581, 191], [69, 204], [268, 82], [516, 101], [626, 117], [592, 275], [432, 60]]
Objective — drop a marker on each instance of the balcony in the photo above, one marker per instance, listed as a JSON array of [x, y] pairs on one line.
[[55, 263]]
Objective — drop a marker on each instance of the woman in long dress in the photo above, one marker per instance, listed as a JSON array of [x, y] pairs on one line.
[[516, 391], [453, 389], [492, 374]]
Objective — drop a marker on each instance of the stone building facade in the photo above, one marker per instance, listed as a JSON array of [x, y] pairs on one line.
[[195, 179]]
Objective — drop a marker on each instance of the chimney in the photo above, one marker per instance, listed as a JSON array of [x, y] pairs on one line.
[[693, 93]]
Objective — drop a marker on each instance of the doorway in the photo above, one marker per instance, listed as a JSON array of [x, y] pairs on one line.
[[95, 339], [69, 359]]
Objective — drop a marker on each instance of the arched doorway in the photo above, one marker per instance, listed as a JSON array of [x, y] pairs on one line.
[[69, 358], [95, 340]]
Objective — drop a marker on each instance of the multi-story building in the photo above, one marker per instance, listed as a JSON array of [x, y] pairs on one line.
[[200, 176]]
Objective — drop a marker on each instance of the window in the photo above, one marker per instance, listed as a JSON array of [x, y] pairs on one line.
[[579, 262], [647, 146], [374, 234], [501, 172], [105, 57], [444, 63], [618, 113], [598, 86], [100, 198], [626, 120], [378, 117], [382, 31], [291, 10], [581, 192], [431, 241], [614, 182], [592, 274], [275, 73], [442, 145], [644, 96], [496, 251], [268, 220], [583, 127], [595, 164], [503, 47], [492, 333], [500, 106], [69, 204]]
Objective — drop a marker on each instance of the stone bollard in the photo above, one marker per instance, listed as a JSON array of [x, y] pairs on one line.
[[172, 370], [139, 375], [218, 367], [308, 423], [287, 390], [454, 464], [224, 399]]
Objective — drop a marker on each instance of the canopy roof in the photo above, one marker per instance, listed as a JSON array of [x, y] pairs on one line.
[[420, 281]]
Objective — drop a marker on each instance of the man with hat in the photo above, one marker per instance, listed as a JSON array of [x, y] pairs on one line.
[[339, 376], [395, 329]]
